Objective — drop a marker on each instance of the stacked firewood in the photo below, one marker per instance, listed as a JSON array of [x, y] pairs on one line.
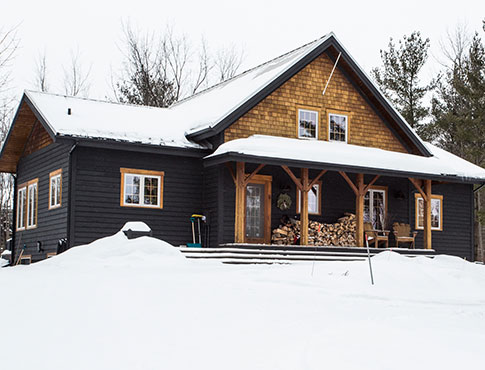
[[341, 233]]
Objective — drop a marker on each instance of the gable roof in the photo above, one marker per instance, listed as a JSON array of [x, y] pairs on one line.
[[187, 123], [213, 110]]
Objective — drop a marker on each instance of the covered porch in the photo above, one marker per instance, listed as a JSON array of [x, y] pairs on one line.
[[377, 186]]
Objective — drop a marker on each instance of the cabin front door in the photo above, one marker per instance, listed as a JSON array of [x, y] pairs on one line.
[[258, 210]]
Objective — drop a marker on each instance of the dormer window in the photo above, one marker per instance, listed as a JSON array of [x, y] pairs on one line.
[[307, 124], [338, 127]]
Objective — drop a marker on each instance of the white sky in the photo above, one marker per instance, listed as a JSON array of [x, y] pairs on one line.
[[264, 29]]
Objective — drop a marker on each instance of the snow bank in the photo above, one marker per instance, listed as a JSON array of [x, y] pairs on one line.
[[138, 304], [136, 226]]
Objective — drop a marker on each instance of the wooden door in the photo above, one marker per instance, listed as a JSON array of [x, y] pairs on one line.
[[257, 212]]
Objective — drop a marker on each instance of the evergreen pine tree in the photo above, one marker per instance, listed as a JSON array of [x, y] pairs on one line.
[[398, 77], [458, 117]]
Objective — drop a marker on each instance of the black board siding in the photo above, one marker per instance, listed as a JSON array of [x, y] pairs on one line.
[[456, 238], [96, 198], [51, 223]]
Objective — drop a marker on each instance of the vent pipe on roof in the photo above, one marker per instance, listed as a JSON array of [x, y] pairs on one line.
[[68, 111]]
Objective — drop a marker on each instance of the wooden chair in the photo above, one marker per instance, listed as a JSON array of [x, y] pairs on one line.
[[376, 235], [402, 233]]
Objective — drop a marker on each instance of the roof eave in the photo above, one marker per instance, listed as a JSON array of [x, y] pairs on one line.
[[255, 159]]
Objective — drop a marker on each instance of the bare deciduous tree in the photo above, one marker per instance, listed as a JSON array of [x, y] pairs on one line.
[[76, 77], [228, 61], [8, 46], [160, 69], [40, 78]]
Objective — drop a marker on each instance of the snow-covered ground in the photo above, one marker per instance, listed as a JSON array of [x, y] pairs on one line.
[[139, 304]]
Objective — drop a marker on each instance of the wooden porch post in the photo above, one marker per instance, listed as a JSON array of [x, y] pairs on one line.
[[359, 210], [304, 207], [426, 194], [427, 215], [240, 190]]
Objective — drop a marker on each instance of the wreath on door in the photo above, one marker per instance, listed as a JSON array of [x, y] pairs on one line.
[[283, 202]]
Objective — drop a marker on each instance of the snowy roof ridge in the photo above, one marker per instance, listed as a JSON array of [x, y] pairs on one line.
[[30, 92], [248, 71]]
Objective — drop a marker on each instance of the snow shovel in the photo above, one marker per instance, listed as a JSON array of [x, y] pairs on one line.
[[197, 218]]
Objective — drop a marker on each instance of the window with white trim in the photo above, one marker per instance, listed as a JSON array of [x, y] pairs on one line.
[[32, 204], [307, 124], [338, 127], [314, 200], [141, 188], [55, 189], [21, 199]]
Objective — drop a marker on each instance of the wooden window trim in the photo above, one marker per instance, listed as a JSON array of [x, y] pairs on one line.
[[19, 189], [51, 175], [317, 129], [36, 210], [336, 112], [133, 171], [298, 210], [418, 196]]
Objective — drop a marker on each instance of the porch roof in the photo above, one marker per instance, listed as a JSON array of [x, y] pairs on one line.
[[318, 154]]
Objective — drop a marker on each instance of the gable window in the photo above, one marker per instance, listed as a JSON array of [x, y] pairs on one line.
[[32, 203], [141, 188], [307, 124], [55, 189], [436, 212], [338, 127], [314, 199], [21, 200]]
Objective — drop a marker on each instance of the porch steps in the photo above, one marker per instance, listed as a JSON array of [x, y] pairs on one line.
[[268, 254]]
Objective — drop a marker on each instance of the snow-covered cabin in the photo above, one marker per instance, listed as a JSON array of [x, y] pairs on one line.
[[85, 167]]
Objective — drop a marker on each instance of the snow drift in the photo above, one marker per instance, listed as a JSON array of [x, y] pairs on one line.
[[139, 304]]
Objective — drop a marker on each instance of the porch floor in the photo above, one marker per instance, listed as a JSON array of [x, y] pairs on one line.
[[271, 253]]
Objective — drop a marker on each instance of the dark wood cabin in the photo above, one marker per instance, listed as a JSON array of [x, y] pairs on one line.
[[84, 167]]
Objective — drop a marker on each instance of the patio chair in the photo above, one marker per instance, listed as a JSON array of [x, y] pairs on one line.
[[376, 236], [402, 233]]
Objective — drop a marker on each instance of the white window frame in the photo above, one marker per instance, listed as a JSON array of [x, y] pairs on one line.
[[346, 127], [316, 125], [371, 192], [142, 174], [21, 203], [318, 196], [53, 177], [32, 192]]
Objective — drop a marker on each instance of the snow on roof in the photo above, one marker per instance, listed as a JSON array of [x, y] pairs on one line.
[[442, 163], [207, 108], [98, 119]]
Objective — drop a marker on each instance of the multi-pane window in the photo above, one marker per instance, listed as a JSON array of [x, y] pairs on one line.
[[436, 212], [307, 124], [141, 188], [338, 127], [375, 208], [55, 189], [32, 204], [314, 200], [21, 200]]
